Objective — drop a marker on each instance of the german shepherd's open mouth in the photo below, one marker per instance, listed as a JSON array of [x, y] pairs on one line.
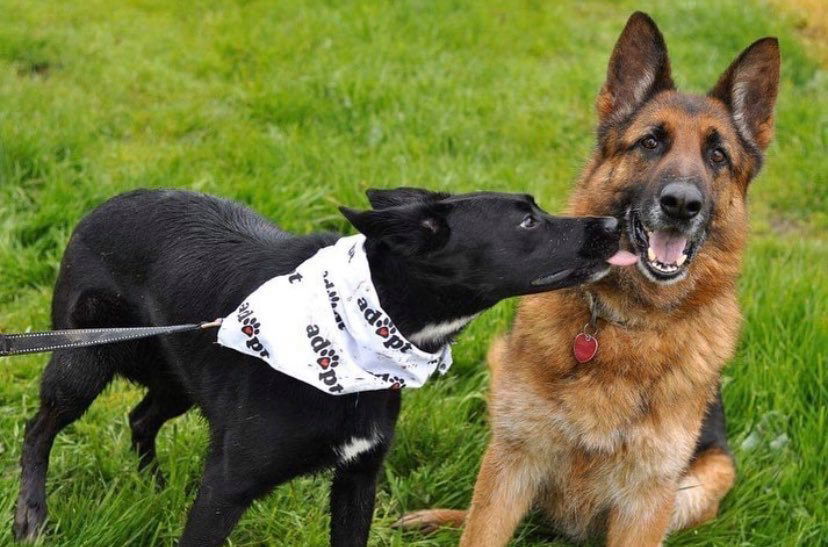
[[665, 252]]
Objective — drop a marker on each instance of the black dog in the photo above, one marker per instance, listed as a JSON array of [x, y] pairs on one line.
[[167, 257]]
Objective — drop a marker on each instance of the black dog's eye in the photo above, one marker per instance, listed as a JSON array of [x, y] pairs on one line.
[[649, 142], [717, 155], [529, 222]]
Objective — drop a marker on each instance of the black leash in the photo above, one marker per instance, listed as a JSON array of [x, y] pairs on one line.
[[34, 342]]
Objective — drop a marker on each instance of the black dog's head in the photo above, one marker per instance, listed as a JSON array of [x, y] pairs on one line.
[[495, 244]]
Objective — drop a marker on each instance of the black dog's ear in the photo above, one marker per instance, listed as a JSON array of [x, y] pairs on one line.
[[381, 198], [638, 69], [748, 88], [408, 229]]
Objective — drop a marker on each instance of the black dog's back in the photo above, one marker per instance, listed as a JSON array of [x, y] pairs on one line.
[[122, 267], [126, 246]]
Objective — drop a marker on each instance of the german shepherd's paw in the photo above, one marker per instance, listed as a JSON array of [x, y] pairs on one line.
[[431, 520]]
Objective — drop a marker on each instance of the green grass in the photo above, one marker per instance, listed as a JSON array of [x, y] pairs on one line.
[[296, 108]]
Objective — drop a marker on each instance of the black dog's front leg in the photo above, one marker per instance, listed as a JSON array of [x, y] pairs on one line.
[[352, 499], [224, 495]]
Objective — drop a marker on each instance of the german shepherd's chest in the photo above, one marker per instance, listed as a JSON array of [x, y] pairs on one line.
[[609, 431], [598, 449]]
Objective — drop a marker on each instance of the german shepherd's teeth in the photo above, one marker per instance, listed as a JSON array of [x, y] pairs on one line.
[[666, 268], [651, 254], [681, 259]]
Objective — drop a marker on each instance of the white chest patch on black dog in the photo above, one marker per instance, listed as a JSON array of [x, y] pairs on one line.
[[439, 332], [351, 450]]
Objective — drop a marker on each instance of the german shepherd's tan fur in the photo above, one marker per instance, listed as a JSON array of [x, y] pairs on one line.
[[632, 445]]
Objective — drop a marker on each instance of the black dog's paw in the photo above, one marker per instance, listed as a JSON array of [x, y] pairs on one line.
[[159, 479], [150, 468], [28, 520]]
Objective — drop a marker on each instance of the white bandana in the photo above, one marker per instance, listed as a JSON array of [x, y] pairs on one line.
[[323, 325]]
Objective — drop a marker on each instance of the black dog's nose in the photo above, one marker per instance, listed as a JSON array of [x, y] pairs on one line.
[[610, 224], [681, 200]]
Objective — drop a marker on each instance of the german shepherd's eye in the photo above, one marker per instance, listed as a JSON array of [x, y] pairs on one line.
[[717, 155], [529, 222], [649, 143]]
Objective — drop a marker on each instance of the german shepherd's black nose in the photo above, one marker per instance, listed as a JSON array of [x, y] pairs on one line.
[[681, 200]]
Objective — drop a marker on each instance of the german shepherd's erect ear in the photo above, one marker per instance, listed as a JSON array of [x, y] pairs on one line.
[[638, 69], [748, 88]]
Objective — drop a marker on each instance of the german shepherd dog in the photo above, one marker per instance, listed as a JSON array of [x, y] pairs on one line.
[[169, 257], [632, 444]]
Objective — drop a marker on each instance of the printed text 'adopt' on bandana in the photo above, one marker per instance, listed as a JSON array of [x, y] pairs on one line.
[[323, 325]]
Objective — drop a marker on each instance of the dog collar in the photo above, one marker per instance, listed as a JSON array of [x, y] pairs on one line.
[[323, 324], [585, 344], [598, 310]]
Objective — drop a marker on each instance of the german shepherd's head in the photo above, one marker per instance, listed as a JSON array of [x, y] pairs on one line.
[[675, 167]]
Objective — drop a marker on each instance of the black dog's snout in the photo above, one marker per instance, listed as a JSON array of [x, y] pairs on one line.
[[681, 200], [601, 235], [610, 225], [602, 229]]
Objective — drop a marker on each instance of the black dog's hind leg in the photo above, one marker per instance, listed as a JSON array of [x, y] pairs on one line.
[[146, 420], [352, 499], [710, 475], [71, 381]]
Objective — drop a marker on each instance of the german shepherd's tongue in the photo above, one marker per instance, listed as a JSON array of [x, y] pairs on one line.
[[622, 258], [667, 247]]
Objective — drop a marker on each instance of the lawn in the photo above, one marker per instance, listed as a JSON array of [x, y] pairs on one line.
[[296, 107]]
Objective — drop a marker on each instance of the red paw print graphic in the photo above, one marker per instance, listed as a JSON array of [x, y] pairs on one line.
[[327, 358], [386, 328], [397, 383], [251, 326]]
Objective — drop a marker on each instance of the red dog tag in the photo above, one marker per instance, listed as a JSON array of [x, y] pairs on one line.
[[585, 347]]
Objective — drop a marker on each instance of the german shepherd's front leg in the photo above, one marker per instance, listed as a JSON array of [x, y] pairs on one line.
[[505, 490], [645, 524]]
